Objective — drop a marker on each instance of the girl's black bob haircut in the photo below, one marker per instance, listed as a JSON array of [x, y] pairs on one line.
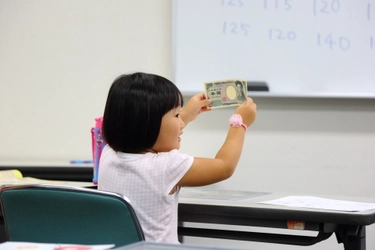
[[135, 106]]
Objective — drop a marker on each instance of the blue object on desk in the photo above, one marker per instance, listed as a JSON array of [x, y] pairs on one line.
[[81, 162]]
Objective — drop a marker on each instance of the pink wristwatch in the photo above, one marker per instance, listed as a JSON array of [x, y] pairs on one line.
[[236, 121]]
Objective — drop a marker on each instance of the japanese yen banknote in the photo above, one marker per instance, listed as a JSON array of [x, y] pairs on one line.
[[226, 93]]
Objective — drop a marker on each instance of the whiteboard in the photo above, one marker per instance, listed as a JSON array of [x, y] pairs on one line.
[[298, 47]]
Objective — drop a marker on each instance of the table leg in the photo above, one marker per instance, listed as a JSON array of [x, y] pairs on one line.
[[352, 237]]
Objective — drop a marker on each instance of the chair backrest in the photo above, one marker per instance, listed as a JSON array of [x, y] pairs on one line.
[[59, 214]]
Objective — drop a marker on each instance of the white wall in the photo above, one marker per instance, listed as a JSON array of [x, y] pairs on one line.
[[319, 146], [57, 61]]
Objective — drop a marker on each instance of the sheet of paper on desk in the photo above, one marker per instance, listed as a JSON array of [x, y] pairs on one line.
[[12, 245], [14, 176], [321, 203], [197, 193]]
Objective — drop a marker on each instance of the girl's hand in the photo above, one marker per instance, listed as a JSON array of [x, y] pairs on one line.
[[248, 111], [196, 105]]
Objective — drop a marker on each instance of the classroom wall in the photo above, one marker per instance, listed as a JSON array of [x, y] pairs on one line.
[[297, 145], [57, 61]]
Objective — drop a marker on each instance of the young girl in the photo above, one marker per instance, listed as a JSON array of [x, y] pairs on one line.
[[142, 125]]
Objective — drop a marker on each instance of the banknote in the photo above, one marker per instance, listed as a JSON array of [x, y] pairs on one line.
[[226, 93]]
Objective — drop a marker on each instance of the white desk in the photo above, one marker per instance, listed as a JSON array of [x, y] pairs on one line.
[[242, 209]]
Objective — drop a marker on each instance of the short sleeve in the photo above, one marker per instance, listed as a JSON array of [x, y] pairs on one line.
[[175, 167]]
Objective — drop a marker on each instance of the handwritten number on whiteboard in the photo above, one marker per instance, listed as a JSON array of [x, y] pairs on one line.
[[329, 40], [275, 4], [236, 28], [326, 7], [278, 34]]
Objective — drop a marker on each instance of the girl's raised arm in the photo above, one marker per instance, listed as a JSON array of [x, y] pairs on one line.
[[205, 171]]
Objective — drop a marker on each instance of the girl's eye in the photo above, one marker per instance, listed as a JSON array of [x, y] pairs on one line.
[[178, 115]]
